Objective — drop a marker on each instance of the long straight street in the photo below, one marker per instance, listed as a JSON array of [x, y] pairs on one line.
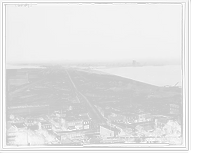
[[93, 112]]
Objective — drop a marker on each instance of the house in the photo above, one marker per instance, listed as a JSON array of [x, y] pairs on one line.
[[73, 123], [87, 121], [107, 132], [59, 113], [45, 125], [10, 133], [12, 129], [18, 119], [18, 124], [30, 121], [56, 122]]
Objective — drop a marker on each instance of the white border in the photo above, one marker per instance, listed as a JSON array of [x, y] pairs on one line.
[[90, 148]]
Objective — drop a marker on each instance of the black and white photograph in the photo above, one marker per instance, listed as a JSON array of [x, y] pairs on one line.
[[88, 76]]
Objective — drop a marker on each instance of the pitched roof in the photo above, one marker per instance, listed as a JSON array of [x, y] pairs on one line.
[[18, 125]]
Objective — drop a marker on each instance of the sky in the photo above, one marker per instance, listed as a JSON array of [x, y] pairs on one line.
[[53, 33]]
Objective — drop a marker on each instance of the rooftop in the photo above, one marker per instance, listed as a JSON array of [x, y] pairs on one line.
[[18, 125]]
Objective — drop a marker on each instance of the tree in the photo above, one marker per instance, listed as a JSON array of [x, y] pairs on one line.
[[173, 132], [172, 128]]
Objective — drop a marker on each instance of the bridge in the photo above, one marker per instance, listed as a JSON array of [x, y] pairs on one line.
[[97, 118]]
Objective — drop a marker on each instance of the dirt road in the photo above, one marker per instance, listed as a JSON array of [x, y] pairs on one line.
[[93, 112]]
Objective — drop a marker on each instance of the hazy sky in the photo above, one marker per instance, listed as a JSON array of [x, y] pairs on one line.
[[94, 32]]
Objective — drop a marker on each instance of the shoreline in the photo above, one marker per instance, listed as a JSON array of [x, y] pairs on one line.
[[166, 75]]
